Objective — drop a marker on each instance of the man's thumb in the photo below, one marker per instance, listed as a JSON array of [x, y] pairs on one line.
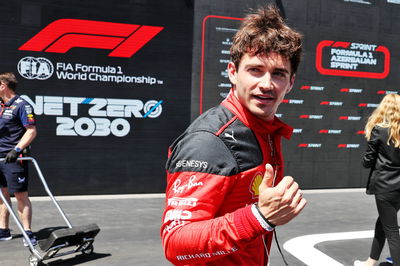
[[268, 176]]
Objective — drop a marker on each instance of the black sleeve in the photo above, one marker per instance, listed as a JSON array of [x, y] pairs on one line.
[[371, 153]]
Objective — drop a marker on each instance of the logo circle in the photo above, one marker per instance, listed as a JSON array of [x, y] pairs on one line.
[[35, 68], [155, 108]]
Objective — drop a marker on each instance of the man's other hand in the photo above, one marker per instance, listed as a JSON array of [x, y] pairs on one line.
[[12, 156]]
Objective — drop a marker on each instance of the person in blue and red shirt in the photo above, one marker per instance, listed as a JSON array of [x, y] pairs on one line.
[[17, 131], [226, 189]]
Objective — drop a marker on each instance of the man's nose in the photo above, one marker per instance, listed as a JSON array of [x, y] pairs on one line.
[[266, 82]]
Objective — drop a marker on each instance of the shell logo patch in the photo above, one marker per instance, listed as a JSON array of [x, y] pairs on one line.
[[255, 183]]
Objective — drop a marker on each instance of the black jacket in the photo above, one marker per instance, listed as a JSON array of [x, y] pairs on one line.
[[384, 161]]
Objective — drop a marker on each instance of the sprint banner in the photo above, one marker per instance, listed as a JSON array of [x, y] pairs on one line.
[[350, 62]]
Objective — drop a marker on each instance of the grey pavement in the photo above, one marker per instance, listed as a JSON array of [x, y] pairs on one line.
[[130, 228]]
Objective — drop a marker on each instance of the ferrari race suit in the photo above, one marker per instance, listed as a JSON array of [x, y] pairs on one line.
[[213, 172]]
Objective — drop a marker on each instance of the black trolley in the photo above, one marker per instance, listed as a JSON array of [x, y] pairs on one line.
[[78, 239]]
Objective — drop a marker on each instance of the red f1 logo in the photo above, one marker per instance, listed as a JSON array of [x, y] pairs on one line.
[[61, 35]]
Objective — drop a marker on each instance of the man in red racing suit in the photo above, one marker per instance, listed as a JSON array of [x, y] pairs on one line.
[[223, 198]]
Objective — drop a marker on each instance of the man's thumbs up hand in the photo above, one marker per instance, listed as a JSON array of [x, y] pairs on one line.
[[269, 176], [282, 203]]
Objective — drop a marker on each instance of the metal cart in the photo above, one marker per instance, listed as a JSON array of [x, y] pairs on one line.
[[78, 239]]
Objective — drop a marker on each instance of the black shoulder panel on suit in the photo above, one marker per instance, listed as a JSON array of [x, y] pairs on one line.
[[200, 149]]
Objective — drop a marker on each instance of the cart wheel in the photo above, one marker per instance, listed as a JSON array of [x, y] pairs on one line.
[[33, 260], [88, 250]]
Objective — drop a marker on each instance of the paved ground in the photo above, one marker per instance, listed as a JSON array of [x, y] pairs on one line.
[[130, 230]]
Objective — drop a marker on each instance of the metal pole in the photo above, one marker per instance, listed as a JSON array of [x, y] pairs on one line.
[[46, 187], [10, 210]]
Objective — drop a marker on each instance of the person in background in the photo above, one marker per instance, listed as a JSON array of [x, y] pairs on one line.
[[225, 186], [17, 131], [383, 158]]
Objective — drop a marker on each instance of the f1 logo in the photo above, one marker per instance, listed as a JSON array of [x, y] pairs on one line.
[[61, 35]]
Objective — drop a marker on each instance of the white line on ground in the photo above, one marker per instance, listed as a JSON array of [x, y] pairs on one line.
[[341, 190], [302, 247], [100, 197]]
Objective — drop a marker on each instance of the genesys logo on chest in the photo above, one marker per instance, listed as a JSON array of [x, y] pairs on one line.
[[60, 36]]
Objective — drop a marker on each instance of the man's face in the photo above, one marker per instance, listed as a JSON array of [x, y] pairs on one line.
[[261, 82], [3, 87]]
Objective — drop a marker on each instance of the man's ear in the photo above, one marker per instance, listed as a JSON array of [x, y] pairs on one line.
[[232, 72], [292, 78]]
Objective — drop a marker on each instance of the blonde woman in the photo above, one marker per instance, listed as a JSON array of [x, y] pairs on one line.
[[383, 157]]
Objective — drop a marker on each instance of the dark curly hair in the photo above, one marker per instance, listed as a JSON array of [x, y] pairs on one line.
[[263, 32]]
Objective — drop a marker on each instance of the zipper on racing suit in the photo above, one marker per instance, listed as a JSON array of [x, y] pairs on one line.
[[273, 158], [274, 166]]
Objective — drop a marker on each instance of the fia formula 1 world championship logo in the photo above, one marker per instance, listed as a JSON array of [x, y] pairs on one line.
[[64, 34], [35, 68]]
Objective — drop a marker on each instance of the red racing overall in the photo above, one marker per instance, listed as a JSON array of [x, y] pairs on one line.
[[213, 172]]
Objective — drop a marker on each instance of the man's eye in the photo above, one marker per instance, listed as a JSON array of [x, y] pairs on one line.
[[279, 74], [256, 70]]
